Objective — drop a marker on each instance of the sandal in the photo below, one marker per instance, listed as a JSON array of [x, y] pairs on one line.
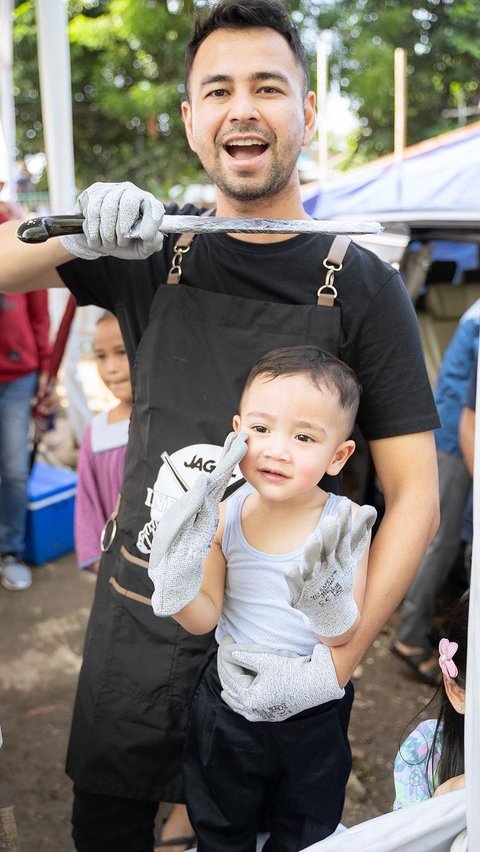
[[432, 675]]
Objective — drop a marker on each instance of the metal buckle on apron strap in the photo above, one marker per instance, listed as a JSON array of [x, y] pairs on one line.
[[180, 248], [333, 263]]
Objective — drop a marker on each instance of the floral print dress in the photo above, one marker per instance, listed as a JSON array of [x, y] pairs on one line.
[[415, 768]]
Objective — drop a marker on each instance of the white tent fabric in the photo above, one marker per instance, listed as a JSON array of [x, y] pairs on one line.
[[430, 826]]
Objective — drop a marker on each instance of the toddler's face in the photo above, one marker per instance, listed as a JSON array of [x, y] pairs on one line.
[[111, 358], [294, 436]]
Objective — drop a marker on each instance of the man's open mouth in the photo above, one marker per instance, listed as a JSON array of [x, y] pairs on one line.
[[245, 149]]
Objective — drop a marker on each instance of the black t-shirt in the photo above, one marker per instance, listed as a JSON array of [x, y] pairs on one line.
[[380, 338]]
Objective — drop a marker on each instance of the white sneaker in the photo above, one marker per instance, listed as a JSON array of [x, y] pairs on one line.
[[15, 575]]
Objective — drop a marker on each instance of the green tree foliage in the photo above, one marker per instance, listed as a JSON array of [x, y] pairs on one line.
[[442, 42], [127, 71], [127, 86]]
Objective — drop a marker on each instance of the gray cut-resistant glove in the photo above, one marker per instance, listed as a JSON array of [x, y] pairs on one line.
[[185, 532], [322, 587], [267, 686], [111, 210]]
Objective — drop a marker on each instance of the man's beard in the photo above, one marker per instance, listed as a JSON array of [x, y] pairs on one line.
[[272, 185], [247, 190]]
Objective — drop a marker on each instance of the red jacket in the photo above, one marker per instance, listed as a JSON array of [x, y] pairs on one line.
[[24, 334]]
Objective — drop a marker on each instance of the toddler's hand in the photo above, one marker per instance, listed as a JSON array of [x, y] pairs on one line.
[[322, 586]]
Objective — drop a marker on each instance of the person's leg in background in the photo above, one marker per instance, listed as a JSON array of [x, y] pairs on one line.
[[413, 642], [15, 412], [112, 824]]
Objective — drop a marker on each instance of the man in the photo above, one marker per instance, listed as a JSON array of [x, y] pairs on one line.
[[248, 112]]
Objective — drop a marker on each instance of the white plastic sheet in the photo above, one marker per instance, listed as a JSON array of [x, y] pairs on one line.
[[429, 826]]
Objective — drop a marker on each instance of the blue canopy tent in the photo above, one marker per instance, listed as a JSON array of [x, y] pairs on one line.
[[442, 173]]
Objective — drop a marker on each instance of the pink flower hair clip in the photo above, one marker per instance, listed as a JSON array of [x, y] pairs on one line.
[[447, 650]]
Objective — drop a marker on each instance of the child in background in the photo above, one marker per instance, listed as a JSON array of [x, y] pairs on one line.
[[101, 461], [278, 576], [431, 760]]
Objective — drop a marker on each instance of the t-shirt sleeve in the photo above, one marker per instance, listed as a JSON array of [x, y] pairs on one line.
[[412, 771], [384, 345]]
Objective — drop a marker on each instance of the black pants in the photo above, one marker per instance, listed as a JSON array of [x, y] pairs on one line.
[[295, 771], [112, 824]]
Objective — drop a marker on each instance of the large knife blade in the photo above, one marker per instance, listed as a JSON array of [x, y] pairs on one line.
[[38, 230]]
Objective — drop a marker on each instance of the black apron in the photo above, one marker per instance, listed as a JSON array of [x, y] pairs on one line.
[[132, 701]]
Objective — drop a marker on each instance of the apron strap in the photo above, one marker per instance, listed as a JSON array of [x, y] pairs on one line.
[[180, 248], [333, 263], [327, 293]]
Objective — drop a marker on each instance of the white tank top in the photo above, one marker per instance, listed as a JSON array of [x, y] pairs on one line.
[[255, 607]]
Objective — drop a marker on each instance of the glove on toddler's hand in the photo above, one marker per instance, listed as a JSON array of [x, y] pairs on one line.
[[184, 534], [267, 686], [322, 587], [111, 210]]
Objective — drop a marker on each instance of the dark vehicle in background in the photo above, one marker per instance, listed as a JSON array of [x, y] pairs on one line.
[[438, 255]]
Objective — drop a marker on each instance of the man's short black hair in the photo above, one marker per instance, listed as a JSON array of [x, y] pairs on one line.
[[317, 365], [231, 14]]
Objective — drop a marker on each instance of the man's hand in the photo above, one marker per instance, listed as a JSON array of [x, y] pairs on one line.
[[184, 535], [322, 587], [264, 686], [111, 210]]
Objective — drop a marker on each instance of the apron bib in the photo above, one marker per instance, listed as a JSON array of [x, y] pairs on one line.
[[138, 669]]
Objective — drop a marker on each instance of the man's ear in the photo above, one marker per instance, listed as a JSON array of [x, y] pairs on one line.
[[340, 457], [310, 118], [187, 120], [236, 423], [455, 693]]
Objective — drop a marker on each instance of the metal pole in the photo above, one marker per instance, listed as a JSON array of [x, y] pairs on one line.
[[55, 86], [7, 104]]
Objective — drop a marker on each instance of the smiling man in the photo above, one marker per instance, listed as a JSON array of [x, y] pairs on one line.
[[247, 122], [194, 317]]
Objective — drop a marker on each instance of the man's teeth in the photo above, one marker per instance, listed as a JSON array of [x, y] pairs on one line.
[[243, 143]]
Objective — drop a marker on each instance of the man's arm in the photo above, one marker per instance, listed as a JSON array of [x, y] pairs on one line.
[[29, 267], [466, 436], [407, 468], [110, 211]]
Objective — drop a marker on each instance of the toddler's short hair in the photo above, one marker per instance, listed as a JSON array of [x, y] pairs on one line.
[[320, 367]]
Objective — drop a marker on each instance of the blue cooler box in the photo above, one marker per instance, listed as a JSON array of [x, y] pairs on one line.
[[51, 500]]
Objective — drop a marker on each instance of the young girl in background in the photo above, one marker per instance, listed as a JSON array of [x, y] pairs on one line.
[[101, 460], [431, 760]]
